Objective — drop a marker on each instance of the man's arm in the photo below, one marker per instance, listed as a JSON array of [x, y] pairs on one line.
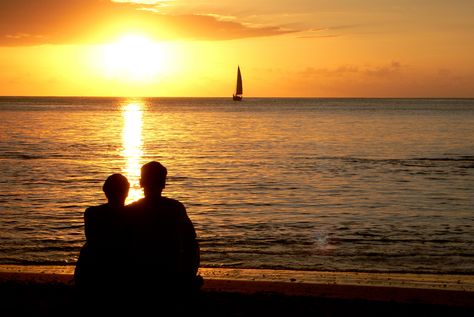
[[189, 247]]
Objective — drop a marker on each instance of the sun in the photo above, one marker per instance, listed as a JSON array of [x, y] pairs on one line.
[[134, 57]]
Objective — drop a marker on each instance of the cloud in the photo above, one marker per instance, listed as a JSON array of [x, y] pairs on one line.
[[24, 22], [32, 22], [345, 70], [147, 2], [332, 31], [385, 70], [212, 27], [389, 79]]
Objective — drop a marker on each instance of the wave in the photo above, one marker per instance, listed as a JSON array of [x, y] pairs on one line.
[[407, 161], [39, 249], [338, 164], [21, 156], [396, 241], [355, 159]]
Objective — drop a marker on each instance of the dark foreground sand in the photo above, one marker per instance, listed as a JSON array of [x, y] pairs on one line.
[[50, 291]]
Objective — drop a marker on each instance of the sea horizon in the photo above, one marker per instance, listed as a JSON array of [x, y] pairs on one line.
[[225, 97]]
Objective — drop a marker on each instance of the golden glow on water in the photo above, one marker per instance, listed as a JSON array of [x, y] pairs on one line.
[[132, 147]]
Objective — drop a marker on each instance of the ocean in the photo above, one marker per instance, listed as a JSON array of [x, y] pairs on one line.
[[367, 185]]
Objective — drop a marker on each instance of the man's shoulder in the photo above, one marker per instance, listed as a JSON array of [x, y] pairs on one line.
[[163, 204], [137, 205], [171, 201], [160, 201]]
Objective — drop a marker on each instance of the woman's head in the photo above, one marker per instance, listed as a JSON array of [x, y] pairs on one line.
[[116, 188]]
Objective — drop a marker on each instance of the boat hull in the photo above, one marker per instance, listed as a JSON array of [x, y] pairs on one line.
[[236, 97]]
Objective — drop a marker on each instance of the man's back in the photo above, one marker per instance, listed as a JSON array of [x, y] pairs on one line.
[[162, 239]]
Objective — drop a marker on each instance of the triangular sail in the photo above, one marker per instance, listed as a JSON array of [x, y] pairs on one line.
[[239, 90]]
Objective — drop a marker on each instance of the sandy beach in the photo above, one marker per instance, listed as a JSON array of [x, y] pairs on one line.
[[49, 290]]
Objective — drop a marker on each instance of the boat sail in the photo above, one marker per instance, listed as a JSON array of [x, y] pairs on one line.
[[238, 90]]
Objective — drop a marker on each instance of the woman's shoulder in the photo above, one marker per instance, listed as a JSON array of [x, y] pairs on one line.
[[96, 210]]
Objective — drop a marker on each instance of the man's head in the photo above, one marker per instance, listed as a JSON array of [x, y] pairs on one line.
[[153, 177], [116, 188]]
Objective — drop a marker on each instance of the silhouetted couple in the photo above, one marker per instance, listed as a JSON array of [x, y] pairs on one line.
[[141, 256]]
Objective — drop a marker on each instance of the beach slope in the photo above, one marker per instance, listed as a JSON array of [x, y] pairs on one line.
[[50, 291]]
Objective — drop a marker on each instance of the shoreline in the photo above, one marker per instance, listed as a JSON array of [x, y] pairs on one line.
[[442, 289], [452, 282], [50, 291]]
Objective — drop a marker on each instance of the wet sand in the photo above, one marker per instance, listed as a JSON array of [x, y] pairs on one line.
[[49, 290]]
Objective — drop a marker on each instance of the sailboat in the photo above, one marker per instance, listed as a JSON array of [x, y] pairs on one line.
[[238, 90]]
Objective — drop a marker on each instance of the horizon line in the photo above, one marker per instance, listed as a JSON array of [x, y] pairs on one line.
[[220, 97]]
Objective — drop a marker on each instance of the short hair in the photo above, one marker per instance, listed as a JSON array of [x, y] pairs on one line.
[[116, 186], [153, 174]]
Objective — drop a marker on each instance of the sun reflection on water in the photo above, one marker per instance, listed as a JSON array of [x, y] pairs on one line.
[[132, 147]]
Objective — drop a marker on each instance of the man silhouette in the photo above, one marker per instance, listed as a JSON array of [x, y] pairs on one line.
[[161, 240]]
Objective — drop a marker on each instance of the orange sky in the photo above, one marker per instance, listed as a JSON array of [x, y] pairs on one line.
[[312, 48]]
